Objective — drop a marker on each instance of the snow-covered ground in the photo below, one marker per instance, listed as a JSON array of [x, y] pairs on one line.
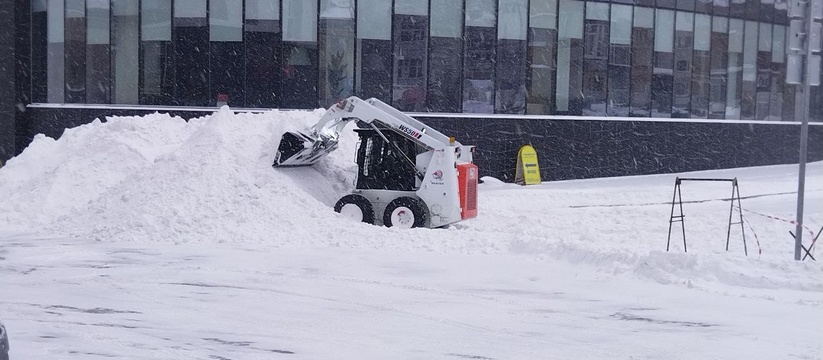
[[156, 238]]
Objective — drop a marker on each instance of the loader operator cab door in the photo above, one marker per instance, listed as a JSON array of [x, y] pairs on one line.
[[382, 165]]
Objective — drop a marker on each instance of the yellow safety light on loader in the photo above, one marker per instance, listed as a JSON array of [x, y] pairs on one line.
[[528, 172]]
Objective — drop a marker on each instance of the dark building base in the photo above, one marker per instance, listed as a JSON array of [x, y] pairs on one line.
[[567, 149]]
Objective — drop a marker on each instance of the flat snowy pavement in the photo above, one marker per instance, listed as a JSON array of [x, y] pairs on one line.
[[69, 298]]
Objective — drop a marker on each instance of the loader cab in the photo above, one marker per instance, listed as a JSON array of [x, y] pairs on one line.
[[382, 165]]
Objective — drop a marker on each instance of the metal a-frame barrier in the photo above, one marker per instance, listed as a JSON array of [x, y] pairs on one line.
[[677, 201]]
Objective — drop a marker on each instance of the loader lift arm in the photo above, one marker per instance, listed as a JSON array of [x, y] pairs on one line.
[[301, 149]]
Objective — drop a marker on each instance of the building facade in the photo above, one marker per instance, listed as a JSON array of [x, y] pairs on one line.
[[700, 59]]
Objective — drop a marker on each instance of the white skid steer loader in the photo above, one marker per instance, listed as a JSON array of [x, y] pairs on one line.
[[409, 175]]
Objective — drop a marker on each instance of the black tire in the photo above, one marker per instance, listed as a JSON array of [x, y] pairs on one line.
[[417, 210], [366, 209]]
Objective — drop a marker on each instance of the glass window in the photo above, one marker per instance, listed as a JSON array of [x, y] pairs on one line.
[[190, 8], [767, 11], [510, 97], [701, 67], [75, 51], [262, 9], [778, 73], [749, 85], [226, 20], [596, 55], [157, 53], [336, 43], [719, 73], [155, 20], [98, 53], [542, 46], [642, 56], [446, 18], [124, 31], [781, 9], [480, 13], [734, 87], [299, 20], [543, 14], [479, 57], [620, 65], [569, 98], [40, 44], [374, 60], [411, 7], [191, 46], [226, 56], [410, 56], [374, 20], [721, 7], [56, 48], [263, 58], [737, 9], [764, 71], [703, 6], [683, 62], [662, 77], [513, 20], [445, 56], [98, 22]]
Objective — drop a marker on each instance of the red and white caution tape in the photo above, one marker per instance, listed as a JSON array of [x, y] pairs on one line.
[[811, 232]]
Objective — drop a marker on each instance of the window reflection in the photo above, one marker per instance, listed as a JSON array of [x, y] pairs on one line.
[[596, 54], [374, 61], [445, 57], [719, 73], [263, 60], [764, 73], [701, 76], [620, 57], [125, 25], [410, 55], [683, 55], [336, 43], [98, 52], [478, 64], [542, 46], [749, 85], [642, 55], [510, 94], [735, 69], [300, 77], [662, 77], [569, 98], [157, 82], [778, 79], [694, 58], [75, 61]]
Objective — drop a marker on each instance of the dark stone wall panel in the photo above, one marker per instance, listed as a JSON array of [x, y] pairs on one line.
[[573, 149]]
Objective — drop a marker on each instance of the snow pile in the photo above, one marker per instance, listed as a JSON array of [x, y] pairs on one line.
[[159, 178]]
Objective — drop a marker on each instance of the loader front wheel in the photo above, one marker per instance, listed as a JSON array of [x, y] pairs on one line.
[[355, 207], [405, 212]]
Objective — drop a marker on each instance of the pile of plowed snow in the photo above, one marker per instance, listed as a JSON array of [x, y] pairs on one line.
[[160, 178]]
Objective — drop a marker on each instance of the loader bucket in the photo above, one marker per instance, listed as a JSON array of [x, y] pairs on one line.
[[299, 149]]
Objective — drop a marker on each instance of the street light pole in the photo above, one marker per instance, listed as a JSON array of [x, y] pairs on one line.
[[804, 48]]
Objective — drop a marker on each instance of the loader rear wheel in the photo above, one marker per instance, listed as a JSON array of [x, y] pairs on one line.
[[355, 207], [405, 212]]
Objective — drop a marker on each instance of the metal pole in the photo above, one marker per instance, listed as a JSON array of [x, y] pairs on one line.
[[804, 134], [801, 174]]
